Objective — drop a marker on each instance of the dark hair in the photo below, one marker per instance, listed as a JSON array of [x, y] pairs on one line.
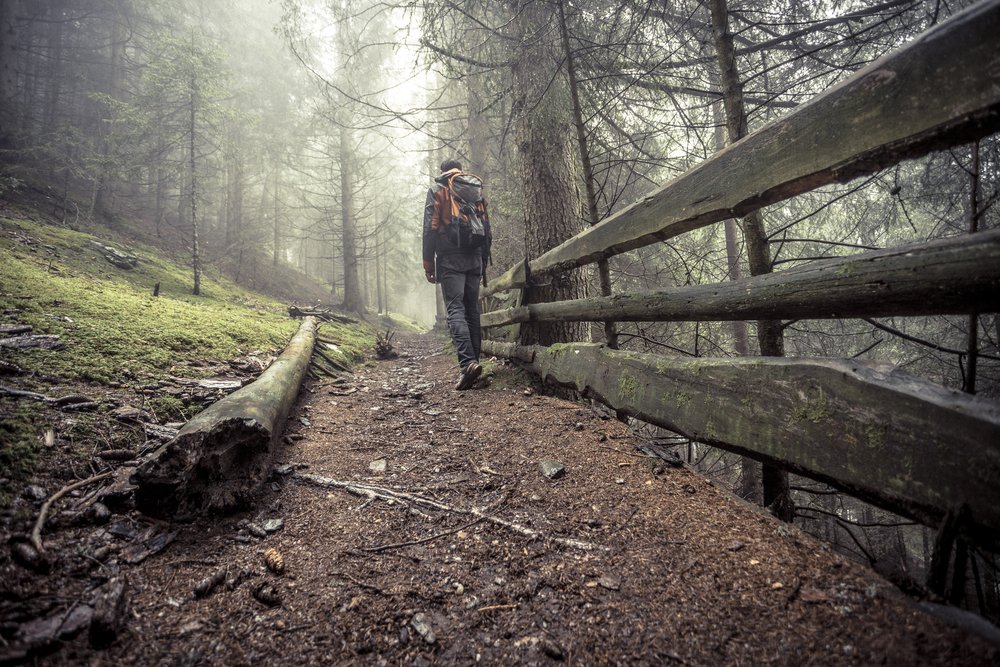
[[450, 164]]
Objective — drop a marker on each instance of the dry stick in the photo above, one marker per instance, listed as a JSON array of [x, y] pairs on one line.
[[399, 545], [36, 532], [372, 491], [497, 606]]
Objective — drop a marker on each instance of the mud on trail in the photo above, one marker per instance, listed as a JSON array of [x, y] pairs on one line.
[[417, 528]]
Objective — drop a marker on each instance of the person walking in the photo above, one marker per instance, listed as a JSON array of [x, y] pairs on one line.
[[456, 250]]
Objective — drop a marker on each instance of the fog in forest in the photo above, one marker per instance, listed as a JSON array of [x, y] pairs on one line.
[[289, 145]]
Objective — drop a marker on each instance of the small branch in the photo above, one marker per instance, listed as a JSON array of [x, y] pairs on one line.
[[497, 606], [919, 341], [36, 532], [425, 540], [372, 491]]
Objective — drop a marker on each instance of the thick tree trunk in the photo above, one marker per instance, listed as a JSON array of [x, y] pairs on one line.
[[750, 486], [769, 336], [549, 164], [222, 455], [972, 340], [593, 215], [193, 173], [353, 300]]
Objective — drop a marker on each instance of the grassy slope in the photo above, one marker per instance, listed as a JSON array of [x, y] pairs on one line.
[[115, 331]]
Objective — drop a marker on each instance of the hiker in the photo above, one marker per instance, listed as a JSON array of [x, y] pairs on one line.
[[456, 250]]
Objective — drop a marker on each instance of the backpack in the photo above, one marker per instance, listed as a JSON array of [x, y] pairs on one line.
[[468, 209]]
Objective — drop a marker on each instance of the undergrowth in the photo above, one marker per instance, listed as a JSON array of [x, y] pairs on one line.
[[117, 334]]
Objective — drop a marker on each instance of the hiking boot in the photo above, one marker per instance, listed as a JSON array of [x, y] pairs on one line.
[[469, 376]]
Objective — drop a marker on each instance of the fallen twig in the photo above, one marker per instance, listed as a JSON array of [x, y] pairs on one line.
[[72, 401], [497, 606], [399, 545], [372, 491], [36, 532]]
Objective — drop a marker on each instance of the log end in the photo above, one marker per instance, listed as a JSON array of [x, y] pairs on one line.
[[204, 471]]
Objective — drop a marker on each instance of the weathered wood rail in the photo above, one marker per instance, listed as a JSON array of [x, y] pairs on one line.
[[903, 443]]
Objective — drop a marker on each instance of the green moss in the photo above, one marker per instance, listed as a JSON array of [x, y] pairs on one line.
[[876, 435], [171, 408], [847, 269], [628, 386], [813, 409], [20, 434], [55, 280], [108, 318], [682, 398]]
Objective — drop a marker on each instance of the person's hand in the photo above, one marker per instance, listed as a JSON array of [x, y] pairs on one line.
[[430, 277]]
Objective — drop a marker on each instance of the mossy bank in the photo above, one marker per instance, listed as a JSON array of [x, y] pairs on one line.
[[116, 335]]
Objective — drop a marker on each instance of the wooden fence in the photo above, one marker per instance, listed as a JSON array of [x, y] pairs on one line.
[[908, 445]]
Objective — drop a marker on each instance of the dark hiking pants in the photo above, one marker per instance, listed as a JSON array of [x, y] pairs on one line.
[[460, 276]]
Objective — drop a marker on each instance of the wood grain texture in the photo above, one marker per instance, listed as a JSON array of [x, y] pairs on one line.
[[948, 276]]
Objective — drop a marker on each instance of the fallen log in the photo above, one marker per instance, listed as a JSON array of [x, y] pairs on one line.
[[222, 455], [324, 314]]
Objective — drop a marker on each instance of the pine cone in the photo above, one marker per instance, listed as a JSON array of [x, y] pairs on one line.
[[275, 562]]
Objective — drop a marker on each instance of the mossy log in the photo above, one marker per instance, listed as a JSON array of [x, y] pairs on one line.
[[902, 443], [937, 91], [222, 455], [947, 276]]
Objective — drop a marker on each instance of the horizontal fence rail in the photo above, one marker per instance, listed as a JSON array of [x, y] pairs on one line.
[[940, 90], [911, 446], [955, 275]]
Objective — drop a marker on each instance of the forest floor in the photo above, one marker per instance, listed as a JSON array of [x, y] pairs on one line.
[[416, 527]]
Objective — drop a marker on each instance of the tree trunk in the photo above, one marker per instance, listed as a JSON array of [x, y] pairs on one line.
[[775, 481], [277, 218], [549, 165], [192, 166], [593, 215], [750, 486], [353, 299], [220, 457], [972, 342]]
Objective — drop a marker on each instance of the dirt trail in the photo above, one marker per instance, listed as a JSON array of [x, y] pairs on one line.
[[665, 569]]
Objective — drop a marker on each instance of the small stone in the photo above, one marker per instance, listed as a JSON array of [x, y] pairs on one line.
[[610, 582], [620, 480], [735, 546], [378, 466], [552, 469], [28, 557], [459, 589], [422, 625], [285, 469], [256, 530], [578, 426], [777, 585], [34, 493], [99, 513], [267, 595], [551, 649], [274, 525]]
